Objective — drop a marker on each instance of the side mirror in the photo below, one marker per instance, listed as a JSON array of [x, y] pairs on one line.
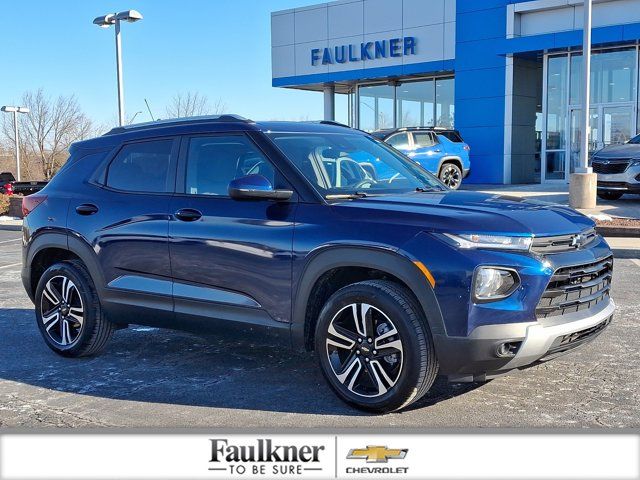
[[256, 187]]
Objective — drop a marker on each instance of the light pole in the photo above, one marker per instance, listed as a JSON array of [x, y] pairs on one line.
[[16, 111], [583, 183], [105, 21]]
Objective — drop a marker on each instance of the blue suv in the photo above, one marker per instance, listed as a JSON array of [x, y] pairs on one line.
[[441, 151], [274, 231]]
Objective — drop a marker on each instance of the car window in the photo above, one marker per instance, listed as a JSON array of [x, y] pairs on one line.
[[212, 162], [452, 135], [399, 141], [141, 167], [338, 164], [423, 139]]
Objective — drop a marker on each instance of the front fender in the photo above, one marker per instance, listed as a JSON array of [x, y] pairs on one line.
[[378, 258]]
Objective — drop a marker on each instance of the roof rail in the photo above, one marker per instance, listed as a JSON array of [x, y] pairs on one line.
[[229, 118], [327, 122]]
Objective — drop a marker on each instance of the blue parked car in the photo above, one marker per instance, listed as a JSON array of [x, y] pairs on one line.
[[274, 231], [438, 150]]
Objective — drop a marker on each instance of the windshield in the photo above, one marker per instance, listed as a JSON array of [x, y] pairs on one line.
[[353, 164]]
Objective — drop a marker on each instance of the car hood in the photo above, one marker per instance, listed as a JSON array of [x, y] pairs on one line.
[[460, 211], [627, 150]]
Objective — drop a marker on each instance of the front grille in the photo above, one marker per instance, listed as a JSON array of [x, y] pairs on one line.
[[609, 167], [563, 243], [572, 289], [572, 340]]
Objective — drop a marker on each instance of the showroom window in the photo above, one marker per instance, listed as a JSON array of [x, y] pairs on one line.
[[426, 102]]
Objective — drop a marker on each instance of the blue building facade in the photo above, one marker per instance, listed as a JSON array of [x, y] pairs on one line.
[[505, 73]]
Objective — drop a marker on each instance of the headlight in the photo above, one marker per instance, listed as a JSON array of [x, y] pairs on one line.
[[480, 240], [494, 283], [635, 163]]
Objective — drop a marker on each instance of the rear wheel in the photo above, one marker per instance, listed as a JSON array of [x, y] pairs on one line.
[[374, 346], [451, 175], [609, 195], [68, 311]]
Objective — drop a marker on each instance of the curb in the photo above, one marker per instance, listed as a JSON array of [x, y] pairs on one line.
[[629, 232], [11, 228], [625, 253]]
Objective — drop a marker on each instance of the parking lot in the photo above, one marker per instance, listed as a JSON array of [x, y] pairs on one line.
[[158, 378]]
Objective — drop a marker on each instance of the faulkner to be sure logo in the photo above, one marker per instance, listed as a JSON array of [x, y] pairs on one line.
[[377, 454], [263, 457]]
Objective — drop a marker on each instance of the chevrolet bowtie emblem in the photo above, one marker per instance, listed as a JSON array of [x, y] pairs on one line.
[[377, 454]]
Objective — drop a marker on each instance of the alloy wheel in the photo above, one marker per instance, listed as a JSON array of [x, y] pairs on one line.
[[62, 310], [450, 176], [364, 350]]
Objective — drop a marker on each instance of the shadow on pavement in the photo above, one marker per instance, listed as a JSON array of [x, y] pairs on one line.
[[163, 366]]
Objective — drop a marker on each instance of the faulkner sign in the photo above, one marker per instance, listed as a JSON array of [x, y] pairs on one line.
[[394, 47]]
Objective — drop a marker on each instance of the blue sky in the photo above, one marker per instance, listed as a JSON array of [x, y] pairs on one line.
[[221, 48]]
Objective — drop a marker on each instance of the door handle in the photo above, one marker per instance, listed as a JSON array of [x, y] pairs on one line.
[[188, 214], [86, 209]]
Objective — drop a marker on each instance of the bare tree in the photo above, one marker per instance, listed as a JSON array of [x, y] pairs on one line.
[[191, 104], [47, 131]]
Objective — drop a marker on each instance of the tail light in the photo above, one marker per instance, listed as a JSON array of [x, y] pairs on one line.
[[30, 203], [8, 189], [467, 147]]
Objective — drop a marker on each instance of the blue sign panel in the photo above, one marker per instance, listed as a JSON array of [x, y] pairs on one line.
[[394, 47]]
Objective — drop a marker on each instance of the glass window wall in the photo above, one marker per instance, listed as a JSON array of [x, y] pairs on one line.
[[428, 102]]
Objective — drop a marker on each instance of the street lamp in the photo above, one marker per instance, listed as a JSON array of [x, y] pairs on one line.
[[105, 21], [16, 111]]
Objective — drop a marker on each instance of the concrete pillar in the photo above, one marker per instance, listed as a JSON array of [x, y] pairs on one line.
[[582, 190], [329, 102]]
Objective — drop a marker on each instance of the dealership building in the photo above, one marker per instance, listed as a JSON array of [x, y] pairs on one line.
[[505, 73]]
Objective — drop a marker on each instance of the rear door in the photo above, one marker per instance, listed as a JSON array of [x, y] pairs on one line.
[[124, 217], [231, 260], [427, 150]]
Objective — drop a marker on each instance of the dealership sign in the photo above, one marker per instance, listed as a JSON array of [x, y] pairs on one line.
[[394, 47]]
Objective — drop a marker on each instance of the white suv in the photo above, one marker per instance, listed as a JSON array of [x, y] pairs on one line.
[[618, 169]]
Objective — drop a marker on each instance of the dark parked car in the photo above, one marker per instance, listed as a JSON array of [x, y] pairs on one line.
[[9, 186], [275, 230], [618, 169]]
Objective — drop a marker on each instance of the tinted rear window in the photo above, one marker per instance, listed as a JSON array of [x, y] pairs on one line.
[[141, 167], [452, 135]]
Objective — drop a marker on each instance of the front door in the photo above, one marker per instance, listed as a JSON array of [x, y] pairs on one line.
[[231, 260], [609, 124]]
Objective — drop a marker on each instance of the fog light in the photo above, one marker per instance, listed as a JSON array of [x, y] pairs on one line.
[[508, 349], [493, 283]]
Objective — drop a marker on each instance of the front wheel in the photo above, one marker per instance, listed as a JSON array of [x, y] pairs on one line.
[[610, 195], [374, 346], [451, 175]]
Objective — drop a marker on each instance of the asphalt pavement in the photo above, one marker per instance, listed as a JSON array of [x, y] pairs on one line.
[[160, 378]]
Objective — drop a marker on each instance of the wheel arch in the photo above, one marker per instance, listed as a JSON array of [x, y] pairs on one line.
[[450, 159], [50, 245], [396, 266]]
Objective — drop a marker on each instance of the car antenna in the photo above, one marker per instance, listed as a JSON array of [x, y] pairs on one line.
[[149, 109]]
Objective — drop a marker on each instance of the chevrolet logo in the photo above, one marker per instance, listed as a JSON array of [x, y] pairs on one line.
[[377, 454]]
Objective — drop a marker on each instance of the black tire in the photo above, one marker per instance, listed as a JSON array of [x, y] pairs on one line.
[[610, 195], [391, 306], [78, 339], [451, 175]]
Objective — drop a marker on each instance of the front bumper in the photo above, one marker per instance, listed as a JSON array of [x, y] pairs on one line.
[[627, 181], [475, 357], [619, 187]]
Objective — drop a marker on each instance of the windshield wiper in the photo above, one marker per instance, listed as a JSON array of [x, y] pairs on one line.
[[346, 196]]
